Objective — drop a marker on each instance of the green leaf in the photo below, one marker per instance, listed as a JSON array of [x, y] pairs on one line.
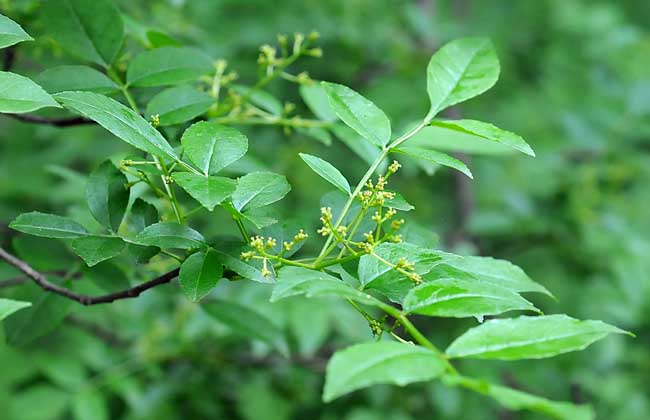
[[47, 225], [363, 148], [212, 147], [248, 323], [89, 403], [245, 269], [259, 189], [47, 311], [327, 171], [513, 399], [170, 235], [64, 78], [460, 298], [317, 100], [259, 217], [19, 94], [179, 104], [89, 29], [11, 33], [529, 337], [199, 274], [500, 272], [207, 190], [107, 195], [449, 140], [142, 214], [9, 306], [382, 362], [377, 275], [167, 66], [123, 122], [260, 98], [95, 249], [460, 70], [435, 157], [293, 281], [398, 203], [488, 132], [359, 113]]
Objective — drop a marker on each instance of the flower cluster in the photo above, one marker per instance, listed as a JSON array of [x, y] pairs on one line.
[[408, 268], [298, 237]]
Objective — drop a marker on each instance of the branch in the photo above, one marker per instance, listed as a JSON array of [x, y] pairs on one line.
[[86, 300], [56, 122], [9, 58]]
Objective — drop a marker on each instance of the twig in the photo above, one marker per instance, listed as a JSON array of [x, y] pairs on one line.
[[9, 58], [58, 122], [85, 299]]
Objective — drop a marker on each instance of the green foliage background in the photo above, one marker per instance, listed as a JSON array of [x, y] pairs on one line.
[[575, 82]]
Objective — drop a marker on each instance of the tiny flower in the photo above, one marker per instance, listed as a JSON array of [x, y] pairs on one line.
[[315, 52], [300, 236], [394, 167], [396, 224], [415, 278]]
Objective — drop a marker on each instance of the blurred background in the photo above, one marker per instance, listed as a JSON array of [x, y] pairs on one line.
[[575, 83]]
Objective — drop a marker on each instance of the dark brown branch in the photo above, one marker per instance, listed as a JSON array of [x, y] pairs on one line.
[[40, 279], [9, 58], [56, 122]]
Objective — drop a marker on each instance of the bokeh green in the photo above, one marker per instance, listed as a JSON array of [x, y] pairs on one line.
[[575, 83]]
